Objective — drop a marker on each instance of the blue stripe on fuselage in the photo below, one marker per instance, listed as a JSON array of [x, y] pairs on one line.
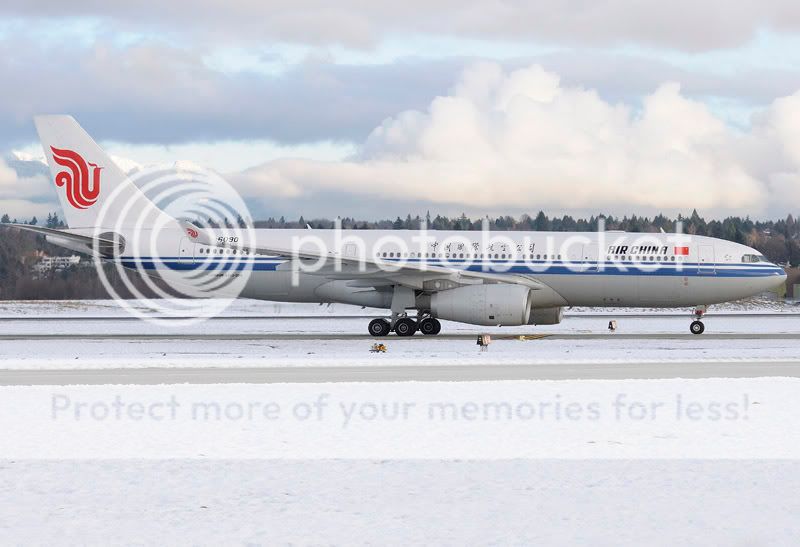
[[497, 267]]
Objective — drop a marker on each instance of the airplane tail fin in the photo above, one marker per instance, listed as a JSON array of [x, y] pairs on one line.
[[94, 192]]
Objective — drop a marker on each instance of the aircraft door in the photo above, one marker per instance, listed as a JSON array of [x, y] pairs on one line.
[[588, 259], [186, 251], [706, 263]]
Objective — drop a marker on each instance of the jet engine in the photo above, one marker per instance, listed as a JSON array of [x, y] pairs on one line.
[[497, 304], [546, 316]]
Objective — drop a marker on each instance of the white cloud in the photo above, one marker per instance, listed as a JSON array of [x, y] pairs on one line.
[[155, 93], [25, 197], [20, 187], [519, 141], [522, 140]]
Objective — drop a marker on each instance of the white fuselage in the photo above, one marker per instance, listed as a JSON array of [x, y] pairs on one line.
[[578, 269]]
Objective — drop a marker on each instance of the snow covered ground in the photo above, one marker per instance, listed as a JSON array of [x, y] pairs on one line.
[[578, 419], [684, 462], [261, 342], [622, 462], [95, 354], [351, 502], [262, 320]]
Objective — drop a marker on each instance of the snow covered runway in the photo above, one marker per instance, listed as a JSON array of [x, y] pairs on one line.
[[98, 335], [480, 372]]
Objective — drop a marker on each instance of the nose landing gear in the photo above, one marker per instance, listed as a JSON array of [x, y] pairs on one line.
[[697, 326]]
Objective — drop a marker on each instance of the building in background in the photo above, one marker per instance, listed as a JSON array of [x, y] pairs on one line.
[[56, 263]]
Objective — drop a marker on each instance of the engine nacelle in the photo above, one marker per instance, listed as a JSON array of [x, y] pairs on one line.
[[491, 305], [546, 316]]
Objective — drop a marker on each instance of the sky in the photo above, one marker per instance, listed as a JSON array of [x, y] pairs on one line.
[[378, 109]]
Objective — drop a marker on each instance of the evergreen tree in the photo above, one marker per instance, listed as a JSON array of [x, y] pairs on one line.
[[542, 223]]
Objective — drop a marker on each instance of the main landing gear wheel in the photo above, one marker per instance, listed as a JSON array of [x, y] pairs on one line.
[[697, 327], [379, 327], [405, 327], [430, 326]]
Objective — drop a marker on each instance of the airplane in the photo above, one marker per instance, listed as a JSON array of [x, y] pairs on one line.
[[418, 277]]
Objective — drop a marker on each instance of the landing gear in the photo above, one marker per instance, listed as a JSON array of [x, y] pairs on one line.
[[697, 327], [430, 326], [379, 327], [405, 326]]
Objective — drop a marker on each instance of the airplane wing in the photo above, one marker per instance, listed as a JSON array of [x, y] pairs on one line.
[[76, 242]]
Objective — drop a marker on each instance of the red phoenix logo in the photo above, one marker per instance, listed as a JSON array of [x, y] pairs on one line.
[[82, 190], [192, 233]]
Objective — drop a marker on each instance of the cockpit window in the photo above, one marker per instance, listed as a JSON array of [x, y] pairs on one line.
[[754, 258]]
